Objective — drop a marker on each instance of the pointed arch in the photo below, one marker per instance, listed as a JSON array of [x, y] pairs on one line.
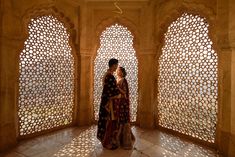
[[188, 79], [47, 70], [120, 47]]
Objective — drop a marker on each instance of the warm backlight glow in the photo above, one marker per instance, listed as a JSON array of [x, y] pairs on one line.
[[116, 41], [46, 81], [188, 79]]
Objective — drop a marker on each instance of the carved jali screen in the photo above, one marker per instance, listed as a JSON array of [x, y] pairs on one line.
[[188, 79], [116, 41], [46, 77]]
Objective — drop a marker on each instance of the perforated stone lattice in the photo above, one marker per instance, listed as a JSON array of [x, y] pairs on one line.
[[116, 41], [188, 79], [46, 82]]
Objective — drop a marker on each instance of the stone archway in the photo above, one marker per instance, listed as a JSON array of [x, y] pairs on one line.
[[116, 41], [46, 74], [188, 79]]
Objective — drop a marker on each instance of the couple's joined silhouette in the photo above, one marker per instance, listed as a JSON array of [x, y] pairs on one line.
[[114, 128]]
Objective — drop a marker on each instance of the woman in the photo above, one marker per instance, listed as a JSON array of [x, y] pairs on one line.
[[125, 135]]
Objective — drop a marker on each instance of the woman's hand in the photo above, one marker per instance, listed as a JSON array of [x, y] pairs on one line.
[[122, 91], [116, 97]]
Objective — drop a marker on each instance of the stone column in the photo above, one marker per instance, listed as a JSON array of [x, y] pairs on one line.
[[146, 58], [232, 140], [85, 108], [8, 95], [9, 56], [11, 45], [226, 36], [232, 44], [145, 113]]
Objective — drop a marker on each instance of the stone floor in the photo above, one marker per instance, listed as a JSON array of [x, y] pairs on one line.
[[82, 142]]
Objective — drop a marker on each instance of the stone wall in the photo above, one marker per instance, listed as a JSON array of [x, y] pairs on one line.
[[231, 151], [15, 16], [86, 19], [225, 32], [219, 15]]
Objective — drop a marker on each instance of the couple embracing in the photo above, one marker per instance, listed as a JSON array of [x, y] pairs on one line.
[[114, 128]]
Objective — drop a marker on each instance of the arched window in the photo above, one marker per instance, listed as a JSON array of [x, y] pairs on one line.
[[116, 41], [46, 81], [188, 79]]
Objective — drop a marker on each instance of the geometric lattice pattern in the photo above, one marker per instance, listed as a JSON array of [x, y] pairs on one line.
[[116, 41], [188, 79], [46, 82]]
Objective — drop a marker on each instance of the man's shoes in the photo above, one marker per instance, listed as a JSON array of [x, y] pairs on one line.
[[111, 147]]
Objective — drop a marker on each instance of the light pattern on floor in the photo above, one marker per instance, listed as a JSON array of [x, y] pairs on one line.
[[82, 142]]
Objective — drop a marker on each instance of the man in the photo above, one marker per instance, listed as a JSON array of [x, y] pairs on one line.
[[107, 126]]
